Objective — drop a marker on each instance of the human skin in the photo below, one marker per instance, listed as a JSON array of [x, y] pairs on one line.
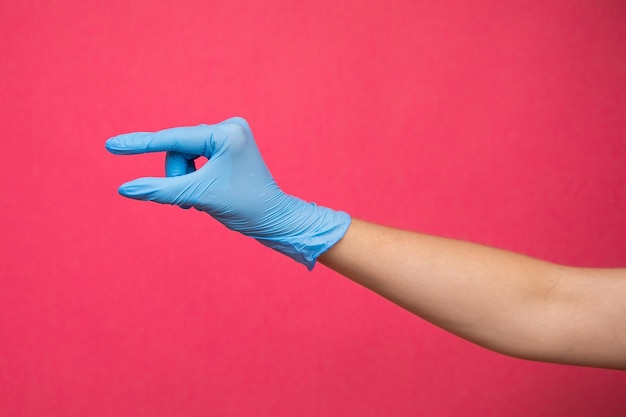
[[506, 302]]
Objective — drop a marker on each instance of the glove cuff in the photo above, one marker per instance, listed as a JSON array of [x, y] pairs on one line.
[[314, 229]]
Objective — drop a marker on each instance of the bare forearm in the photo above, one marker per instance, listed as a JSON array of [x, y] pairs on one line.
[[506, 302]]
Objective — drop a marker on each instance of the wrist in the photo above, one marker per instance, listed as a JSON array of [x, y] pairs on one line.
[[303, 230]]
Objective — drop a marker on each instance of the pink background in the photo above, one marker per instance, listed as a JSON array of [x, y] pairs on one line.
[[499, 122]]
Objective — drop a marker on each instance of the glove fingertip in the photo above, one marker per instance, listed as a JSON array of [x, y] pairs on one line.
[[159, 190], [131, 190], [113, 145], [142, 189]]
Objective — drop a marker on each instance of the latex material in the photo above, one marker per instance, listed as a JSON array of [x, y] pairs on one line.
[[235, 187]]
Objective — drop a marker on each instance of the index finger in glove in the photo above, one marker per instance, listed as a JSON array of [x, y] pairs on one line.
[[187, 140]]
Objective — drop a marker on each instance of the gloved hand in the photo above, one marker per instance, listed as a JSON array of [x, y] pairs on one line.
[[234, 186]]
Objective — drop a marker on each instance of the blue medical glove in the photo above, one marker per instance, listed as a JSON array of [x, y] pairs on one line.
[[234, 186]]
